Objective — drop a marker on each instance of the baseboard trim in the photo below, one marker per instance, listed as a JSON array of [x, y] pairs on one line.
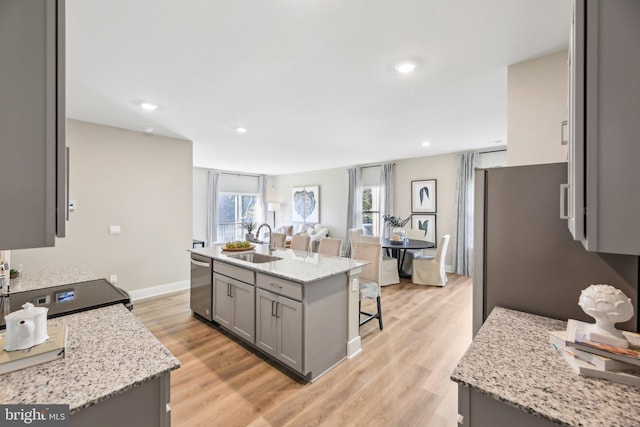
[[155, 291]]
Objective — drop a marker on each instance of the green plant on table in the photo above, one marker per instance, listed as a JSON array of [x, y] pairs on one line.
[[396, 221], [250, 226]]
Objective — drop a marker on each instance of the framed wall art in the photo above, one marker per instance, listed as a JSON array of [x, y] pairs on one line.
[[423, 196], [426, 223], [305, 203]]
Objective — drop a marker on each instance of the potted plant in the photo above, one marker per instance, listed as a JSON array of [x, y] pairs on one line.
[[397, 227], [250, 226], [13, 274]]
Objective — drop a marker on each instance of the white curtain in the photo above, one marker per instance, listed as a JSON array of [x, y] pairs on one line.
[[354, 204], [387, 190], [212, 206], [463, 227]]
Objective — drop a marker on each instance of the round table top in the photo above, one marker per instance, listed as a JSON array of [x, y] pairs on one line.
[[408, 244]]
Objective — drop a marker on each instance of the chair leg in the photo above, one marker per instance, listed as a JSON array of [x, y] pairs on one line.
[[379, 312]]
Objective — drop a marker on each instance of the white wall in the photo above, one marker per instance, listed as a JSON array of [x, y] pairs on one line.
[[443, 169], [333, 184], [536, 107], [139, 181]]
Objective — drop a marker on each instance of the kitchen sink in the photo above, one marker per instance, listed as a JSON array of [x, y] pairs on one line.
[[255, 258]]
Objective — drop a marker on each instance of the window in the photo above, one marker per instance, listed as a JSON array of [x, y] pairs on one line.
[[371, 210], [233, 210]]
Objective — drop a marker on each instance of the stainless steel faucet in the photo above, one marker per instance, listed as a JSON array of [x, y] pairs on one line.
[[271, 247]]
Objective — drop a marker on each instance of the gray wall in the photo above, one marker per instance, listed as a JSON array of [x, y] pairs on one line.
[[138, 181]]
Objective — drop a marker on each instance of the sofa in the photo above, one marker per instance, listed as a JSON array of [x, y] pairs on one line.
[[315, 231]]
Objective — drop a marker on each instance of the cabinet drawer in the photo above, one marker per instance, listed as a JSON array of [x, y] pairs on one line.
[[234, 272], [280, 286]]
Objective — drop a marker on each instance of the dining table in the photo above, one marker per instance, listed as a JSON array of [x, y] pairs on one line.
[[399, 249]]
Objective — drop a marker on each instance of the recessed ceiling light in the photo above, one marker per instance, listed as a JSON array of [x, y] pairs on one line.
[[241, 129], [426, 143], [149, 106], [148, 129], [406, 67]]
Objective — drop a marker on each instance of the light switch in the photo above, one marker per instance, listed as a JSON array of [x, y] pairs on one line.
[[114, 229]]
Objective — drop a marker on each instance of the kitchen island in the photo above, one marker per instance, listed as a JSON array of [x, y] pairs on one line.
[[115, 372], [511, 375], [300, 308]]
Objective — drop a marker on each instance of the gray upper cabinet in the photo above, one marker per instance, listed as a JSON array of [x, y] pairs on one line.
[[32, 123], [603, 207]]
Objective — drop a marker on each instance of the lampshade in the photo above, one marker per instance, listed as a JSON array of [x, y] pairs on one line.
[[273, 207]]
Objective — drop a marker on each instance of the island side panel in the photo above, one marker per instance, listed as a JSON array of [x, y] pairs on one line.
[[354, 343], [325, 337]]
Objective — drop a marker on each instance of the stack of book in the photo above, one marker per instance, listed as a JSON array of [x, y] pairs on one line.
[[53, 348], [598, 360]]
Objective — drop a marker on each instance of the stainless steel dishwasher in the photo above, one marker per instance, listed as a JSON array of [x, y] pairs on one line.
[[201, 295]]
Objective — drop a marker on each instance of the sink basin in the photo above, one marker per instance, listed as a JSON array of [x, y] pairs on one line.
[[255, 258]]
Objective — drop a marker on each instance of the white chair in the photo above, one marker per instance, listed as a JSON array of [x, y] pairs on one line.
[[316, 233], [278, 240], [389, 265], [429, 270], [354, 236], [412, 234], [329, 246], [369, 278], [300, 242]]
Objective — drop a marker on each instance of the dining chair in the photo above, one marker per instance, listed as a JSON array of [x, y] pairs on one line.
[[430, 270], [278, 240], [389, 265], [354, 236], [412, 234], [300, 242], [369, 278], [329, 246]]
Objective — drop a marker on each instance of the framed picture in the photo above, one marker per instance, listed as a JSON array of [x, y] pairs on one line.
[[426, 223], [305, 203], [423, 196]]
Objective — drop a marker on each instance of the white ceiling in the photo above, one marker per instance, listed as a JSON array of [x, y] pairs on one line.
[[313, 81]]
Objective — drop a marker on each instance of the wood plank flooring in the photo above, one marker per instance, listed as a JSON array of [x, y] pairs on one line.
[[400, 379]]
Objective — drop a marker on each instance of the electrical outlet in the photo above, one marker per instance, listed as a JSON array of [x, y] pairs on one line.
[[113, 279]]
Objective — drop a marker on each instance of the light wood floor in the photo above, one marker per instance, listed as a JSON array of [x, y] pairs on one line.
[[400, 379]]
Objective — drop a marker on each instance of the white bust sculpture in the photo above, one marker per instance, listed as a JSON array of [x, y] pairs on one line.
[[608, 306]]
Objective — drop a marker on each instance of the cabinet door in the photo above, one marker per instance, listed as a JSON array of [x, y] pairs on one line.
[[266, 322], [222, 303], [289, 315], [243, 303], [32, 119]]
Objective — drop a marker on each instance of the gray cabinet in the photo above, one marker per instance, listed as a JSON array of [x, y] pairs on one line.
[[279, 328], [604, 106], [32, 123], [234, 306]]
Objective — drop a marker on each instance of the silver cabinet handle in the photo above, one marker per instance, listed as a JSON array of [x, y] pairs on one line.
[[277, 305], [230, 290], [200, 263], [273, 304], [564, 207]]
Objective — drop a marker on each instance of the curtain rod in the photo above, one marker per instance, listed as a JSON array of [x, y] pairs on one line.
[[232, 173], [371, 165]]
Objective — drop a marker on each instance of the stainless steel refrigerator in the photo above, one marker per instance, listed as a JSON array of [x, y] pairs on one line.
[[524, 256]]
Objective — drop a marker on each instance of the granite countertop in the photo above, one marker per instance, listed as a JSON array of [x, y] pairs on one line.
[[511, 360], [297, 266], [48, 277], [108, 352]]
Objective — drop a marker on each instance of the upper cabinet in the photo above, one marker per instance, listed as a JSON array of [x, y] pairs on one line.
[[33, 167], [602, 203]]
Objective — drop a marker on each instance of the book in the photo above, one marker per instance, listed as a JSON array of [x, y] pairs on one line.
[[53, 348], [558, 340], [625, 376], [577, 337]]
